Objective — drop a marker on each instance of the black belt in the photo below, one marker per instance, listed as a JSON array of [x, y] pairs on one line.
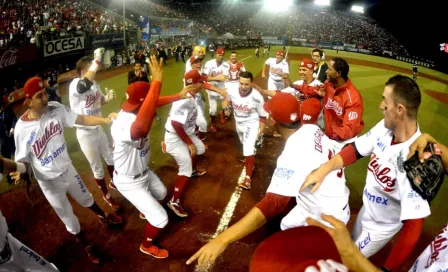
[[5, 253], [138, 175], [345, 207]]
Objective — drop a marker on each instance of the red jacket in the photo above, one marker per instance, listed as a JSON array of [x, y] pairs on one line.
[[343, 110]]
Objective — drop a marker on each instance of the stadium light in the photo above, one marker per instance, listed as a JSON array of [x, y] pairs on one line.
[[277, 5], [358, 9], [322, 2]]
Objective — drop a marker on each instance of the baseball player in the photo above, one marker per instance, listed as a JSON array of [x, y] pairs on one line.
[[15, 256], [278, 69], [414, 72], [265, 50], [134, 180], [257, 51], [389, 202], [86, 98], [250, 120], [182, 143], [297, 124], [236, 67], [213, 68], [40, 143]]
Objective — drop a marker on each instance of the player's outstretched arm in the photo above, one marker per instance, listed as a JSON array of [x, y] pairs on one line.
[[90, 120], [265, 92], [207, 255], [263, 72], [420, 144], [190, 89], [8, 166], [318, 175], [86, 83]]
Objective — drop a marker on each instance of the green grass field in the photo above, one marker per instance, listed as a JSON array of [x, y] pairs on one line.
[[433, 115]]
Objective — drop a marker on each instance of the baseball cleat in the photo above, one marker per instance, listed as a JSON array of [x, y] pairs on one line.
[[213, 128], [246, 184], [142, 216], [109, 200], [241, 159], [111, 219], [198, 172], [112, 185], [91, 255], [177, 209], [158, 253]]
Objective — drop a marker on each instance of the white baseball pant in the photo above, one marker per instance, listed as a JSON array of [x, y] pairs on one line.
[[56, 190], [201, 122], [179, 150], [144, 193], [369, 242], [274, 85], [22, 258], [93, 143], [248, 134], [213, 98]]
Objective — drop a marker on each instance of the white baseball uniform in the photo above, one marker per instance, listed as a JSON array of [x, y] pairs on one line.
[[315, 82], [435, 257], [331, 197], [234, 75], [212, 69], [201, 122], [247, 111], [42, 144], [132, 177], [15, 256], [185, 112], [275, 82], [92, 139], [388, 198]]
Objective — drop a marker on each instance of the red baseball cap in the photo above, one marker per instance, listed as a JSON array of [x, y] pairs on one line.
[[33, 86], [294, 250], [193, 76], [220, 51], [307, 64], [280, 52], [193, 59], [136, 94], [310, 110], [284, 108]]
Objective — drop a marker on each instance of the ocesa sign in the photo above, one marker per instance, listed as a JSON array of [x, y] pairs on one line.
[[62, 46]]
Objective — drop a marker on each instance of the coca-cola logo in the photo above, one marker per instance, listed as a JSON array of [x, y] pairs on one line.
[[92, 98], [243, 108], [382, 174], [41, 143], [8, 58], [334, 105]]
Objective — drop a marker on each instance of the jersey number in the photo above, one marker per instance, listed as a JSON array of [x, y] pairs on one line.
[[340, 172]]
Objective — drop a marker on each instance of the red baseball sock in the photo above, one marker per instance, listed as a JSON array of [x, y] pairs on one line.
[[212, 119], [179, 186], [102, 184], [250, 162], [110, 169], [151, 233]]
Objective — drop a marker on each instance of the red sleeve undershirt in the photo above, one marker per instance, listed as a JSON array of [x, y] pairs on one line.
[[307, 90], [409, 235], [179, 128], [140, 127], [165, 100], [348, 154], [272, 205]]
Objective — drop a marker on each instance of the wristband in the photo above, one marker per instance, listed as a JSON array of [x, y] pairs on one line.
[[21, 167]]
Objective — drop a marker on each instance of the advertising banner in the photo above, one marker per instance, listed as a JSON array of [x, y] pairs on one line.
[[16, 56], [62, 46], [108, 40]]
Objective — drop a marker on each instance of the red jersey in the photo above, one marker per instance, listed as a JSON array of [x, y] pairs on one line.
[[343, 110], [235, 70]]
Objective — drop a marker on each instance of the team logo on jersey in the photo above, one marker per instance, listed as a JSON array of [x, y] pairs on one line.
[[439, 244], [92, 98], [216, 73], [382, 174], [305, 117], [400, 162], [334, 105], [243, 108], [51, 131]]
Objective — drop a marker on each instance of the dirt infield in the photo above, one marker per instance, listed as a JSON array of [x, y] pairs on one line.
[[442, 97], [205, 199]]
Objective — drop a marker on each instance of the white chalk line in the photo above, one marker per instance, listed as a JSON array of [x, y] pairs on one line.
[[247, 57], [229, 210]]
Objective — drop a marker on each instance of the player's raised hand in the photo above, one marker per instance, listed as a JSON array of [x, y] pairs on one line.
[[316, 177], [420, 144], [156, 68], [110, 95], [190, 89], [98, 53], [193, 150], [207, 255]]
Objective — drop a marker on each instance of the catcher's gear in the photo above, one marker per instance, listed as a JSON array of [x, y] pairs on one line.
[[259, 142], [426, 177], [227, 111]]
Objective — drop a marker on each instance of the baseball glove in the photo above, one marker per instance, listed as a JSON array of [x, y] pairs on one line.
[[426, 177], [227, 111]]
